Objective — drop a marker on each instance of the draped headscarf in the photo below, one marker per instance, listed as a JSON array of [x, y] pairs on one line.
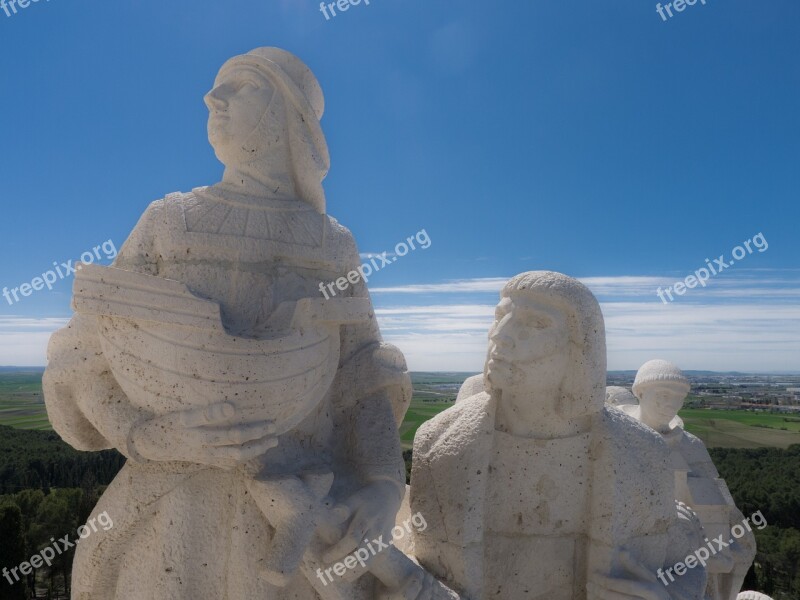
[[298, 136]]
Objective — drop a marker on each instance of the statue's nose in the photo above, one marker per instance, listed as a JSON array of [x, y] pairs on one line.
[[215, 101], [502, 339]]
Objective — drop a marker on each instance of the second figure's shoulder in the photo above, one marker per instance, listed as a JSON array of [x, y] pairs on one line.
[[458, 425]]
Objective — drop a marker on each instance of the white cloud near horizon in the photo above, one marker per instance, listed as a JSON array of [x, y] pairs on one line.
[[23, 340], [745, 324], [742, 323]]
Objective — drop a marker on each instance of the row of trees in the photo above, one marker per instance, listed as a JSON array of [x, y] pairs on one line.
[[40, 460], [47, 490], [768, 479], [30, 521]]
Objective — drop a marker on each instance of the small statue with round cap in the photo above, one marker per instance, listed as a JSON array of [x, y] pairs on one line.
[[661, 388]]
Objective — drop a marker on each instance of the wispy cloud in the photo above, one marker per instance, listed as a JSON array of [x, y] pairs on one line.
[[486, 284], [23, 340], [750, 322], [747, 284], [747, 322]]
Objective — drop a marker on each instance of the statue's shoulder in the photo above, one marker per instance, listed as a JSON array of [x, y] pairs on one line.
[[696, 454], [471, 386], [457, 427], [339, 238], [156, 211], [627, 432], [338, 231]]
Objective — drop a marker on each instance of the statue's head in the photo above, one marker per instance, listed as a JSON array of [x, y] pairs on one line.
[[661, 388], [548, 342], [264, 112]]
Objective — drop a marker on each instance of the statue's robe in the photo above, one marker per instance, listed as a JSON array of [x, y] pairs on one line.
[[522, 518], [183, 530], [698, 484]]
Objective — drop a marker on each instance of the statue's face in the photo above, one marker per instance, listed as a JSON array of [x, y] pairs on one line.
[[528, 348], [236, 106], [660, 403]]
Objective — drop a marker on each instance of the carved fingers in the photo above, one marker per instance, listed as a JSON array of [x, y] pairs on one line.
[[204, 435]]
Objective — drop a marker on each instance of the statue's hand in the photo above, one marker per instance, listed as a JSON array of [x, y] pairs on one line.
[[204, 436], [373, 509], [640, 584]]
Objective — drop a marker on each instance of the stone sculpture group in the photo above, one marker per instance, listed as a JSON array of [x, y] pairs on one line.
[[260, 420]]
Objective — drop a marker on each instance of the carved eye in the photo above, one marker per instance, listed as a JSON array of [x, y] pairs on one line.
[[247, 83]]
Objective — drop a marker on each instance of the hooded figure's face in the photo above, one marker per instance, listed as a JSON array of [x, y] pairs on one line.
[[528, 348], [237, 105]]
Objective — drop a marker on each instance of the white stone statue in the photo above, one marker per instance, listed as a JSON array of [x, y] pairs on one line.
[[752, 596], [259, 419], [661, 388], [534, 488], [624, 399]]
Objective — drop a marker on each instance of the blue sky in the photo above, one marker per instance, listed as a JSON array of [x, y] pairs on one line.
[[586, 137]]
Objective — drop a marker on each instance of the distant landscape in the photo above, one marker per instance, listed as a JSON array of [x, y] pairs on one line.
[[725, 410], [21, 400]]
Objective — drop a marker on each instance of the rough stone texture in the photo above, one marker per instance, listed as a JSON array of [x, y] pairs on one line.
[[661, 389], [259, 420], [535, 465], [752, 596]]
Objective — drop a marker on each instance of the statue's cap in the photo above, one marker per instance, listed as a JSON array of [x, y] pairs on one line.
[[659, 371], [292, 71]]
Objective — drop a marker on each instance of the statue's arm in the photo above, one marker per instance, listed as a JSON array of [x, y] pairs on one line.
[[85, 404], [372, 394], [373, 391]]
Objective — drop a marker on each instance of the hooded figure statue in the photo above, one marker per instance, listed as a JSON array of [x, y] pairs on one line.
[[534, 488], [210, 505]]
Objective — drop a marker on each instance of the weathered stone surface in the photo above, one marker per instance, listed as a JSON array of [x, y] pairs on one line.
[[259, 419], [531, 486], [661, 388]]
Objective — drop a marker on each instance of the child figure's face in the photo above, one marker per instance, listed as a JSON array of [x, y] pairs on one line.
[[660, 403]]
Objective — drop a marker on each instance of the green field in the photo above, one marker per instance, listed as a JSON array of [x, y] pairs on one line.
[[22, 406], [21, 401], [742, 429], [433, 393]]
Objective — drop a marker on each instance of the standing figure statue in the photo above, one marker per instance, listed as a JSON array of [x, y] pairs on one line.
[[259, 420], [661, 388], [534, 488]]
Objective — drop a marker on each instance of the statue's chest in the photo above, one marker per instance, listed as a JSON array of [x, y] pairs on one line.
[[538, 487], [247, 260], [197, 229]]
